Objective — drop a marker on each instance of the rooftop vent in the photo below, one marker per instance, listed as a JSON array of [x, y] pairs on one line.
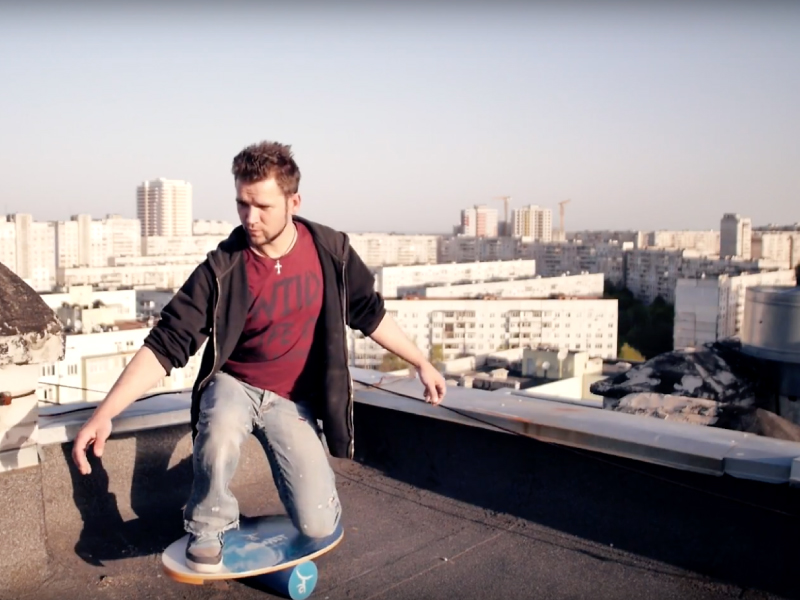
[[771, 331]]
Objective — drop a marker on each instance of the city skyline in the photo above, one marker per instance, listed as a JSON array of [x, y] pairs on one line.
[[677, 114]]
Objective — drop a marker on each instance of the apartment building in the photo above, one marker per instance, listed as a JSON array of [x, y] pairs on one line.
[[460, 327], [704, 242], [735, 236], [479, 221], [552, 259], [8, 245], [474, 249], [35, 250], [94, 361], [396, 281], [32, 244], [556, 259], [150, 303], [637, 239], [104, 332], [534, 223], [86, 242], [379, 249], [781, 246], [210, 227], [569, 286], [92, 307], [651, 272], [170, 275], [164, 207], [712, 308], [181, 246]]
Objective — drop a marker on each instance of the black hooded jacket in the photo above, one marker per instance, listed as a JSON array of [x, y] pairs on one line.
[[212, 305]]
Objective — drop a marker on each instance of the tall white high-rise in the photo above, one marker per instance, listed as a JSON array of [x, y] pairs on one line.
[[735, 236], [164, 207], [480, 221], [533, 222]]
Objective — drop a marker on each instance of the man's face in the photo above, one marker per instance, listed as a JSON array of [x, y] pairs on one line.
[[263, 209]]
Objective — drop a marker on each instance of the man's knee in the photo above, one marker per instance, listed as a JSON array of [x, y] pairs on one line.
[[318, 528], [321, 521]]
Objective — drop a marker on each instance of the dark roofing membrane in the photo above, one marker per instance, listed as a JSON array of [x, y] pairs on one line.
[[433, 509]]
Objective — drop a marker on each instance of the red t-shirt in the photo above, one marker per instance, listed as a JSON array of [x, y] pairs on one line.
[[274, 350]]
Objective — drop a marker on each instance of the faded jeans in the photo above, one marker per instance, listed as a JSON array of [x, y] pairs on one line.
[[230, 410]]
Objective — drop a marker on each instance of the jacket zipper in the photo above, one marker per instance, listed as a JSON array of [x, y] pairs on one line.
[[213, 335], [350, 427]]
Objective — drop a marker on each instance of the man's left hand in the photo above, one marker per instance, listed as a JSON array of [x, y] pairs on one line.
[[435, 386]]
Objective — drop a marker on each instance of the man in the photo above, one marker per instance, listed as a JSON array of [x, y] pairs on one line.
[[273, 302]]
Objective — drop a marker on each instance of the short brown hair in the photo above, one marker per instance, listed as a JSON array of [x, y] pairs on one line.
[[265, 160]]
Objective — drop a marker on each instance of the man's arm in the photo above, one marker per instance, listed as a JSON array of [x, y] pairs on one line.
[[367, 313], [391, 337], [141, 374], [185, 321], [182, 329]]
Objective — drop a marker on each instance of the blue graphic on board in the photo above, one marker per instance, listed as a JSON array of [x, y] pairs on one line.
[[262, 542], [296, 582], [303, 581]]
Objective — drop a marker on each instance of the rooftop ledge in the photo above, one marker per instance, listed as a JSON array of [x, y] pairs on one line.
[[684, 446], [441, 502]]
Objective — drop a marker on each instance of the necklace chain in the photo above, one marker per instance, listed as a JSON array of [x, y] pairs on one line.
[[278, 265]]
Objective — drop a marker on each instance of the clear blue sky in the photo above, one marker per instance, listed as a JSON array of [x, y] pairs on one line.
[[646, 118]]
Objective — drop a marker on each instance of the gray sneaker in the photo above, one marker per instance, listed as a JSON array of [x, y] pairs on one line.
[[204, 553]]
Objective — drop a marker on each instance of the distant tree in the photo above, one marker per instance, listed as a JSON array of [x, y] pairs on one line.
[[647, 329], [628, 352], [392, 362], [436, 353]]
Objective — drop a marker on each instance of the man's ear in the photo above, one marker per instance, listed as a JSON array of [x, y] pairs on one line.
[[293, 203]]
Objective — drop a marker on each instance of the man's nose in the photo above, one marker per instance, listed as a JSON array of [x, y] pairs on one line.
[[251, 216]]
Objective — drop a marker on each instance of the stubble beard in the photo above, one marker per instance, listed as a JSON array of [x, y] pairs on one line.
[[262, 246]]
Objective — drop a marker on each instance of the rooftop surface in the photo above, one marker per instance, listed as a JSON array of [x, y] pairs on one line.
[[433, 508]]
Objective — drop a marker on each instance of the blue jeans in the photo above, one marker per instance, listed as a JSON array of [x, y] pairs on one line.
[[229, 411]]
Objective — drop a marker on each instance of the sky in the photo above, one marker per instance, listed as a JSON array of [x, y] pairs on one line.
[[645, 115]]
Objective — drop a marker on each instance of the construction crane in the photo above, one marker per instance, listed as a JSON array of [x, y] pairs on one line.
[[506, 200], [561, 218]]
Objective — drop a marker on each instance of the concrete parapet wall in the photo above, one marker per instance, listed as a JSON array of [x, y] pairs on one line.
[[130, 506]]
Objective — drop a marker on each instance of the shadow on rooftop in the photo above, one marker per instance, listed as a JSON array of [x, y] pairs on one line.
[[157, 496], [730, 530]]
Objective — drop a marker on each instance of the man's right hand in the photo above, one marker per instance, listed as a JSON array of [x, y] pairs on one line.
[[94, 432]]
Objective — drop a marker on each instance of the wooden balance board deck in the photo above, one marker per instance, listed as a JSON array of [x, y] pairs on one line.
[[268, 549]]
